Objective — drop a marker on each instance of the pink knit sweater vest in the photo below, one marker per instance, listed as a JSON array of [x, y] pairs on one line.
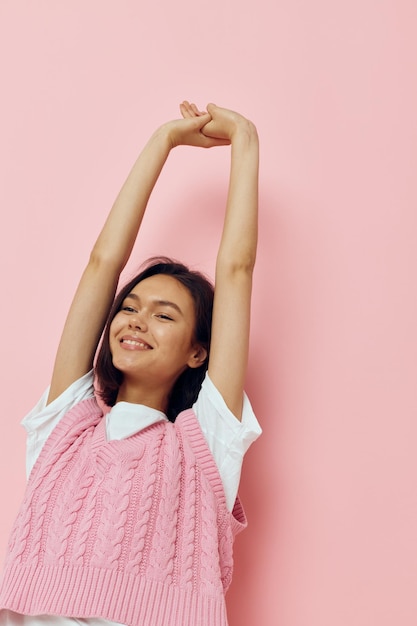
[[134, 531]]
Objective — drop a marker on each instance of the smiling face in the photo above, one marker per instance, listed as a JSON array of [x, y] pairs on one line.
[[152, 335]]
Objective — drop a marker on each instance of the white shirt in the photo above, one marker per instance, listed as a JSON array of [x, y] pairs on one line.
[[227, 438]]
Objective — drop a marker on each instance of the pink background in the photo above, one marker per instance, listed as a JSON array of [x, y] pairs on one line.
[[331, 488]]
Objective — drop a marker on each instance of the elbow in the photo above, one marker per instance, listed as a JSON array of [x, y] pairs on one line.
[[102, 260], [243, 265]]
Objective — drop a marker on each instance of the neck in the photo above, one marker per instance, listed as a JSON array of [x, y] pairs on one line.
[[155, 398]]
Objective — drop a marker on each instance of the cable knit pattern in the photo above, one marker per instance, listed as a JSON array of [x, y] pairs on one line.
[[116, 490], [210, 569], [187, 565], [67, 508], [140, 526], [135, 531], [161, 560]]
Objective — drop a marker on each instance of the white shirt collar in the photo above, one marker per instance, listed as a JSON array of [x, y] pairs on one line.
[[126, 419]]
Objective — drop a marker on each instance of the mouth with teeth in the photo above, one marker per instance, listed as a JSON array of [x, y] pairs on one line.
[[134, 344]]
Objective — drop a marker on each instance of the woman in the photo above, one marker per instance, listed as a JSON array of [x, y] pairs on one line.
[[130, 518]]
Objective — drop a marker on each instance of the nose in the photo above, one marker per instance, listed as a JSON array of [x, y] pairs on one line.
[[137, 322]]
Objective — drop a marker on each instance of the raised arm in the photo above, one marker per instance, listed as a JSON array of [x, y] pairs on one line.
[[97, 287], [236, 257]]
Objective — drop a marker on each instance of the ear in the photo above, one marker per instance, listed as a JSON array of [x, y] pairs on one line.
[[197, 357]]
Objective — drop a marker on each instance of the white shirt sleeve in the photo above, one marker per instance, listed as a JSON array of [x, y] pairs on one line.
[[42, 419], [227, 437]]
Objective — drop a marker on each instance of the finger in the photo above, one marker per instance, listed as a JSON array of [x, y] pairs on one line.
[[211, 107], [201, 121], [186, 109], [211, 130], [196, 110], [198, 121], [190, 109]]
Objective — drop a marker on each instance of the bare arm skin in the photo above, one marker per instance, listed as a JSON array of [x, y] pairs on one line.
[[97, 287], [236, 256]]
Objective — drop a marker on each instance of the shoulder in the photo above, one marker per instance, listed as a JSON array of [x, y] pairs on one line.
[[217, 421], [40, 422], [43, 417]]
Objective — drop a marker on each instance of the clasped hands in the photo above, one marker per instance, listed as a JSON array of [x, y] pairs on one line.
[[215, 127]]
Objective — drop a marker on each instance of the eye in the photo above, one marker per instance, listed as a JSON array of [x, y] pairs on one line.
[[128, 309], [164, 316]]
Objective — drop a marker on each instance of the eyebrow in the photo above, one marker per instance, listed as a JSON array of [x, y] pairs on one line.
[[158, 302]]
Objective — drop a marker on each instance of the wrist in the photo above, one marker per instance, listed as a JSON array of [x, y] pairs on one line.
[[165, 136], [244, 130]]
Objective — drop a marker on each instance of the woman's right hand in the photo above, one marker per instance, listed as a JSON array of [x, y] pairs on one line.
[[224, 124]]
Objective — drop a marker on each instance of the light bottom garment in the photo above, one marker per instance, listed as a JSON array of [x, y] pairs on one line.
[[9, 618]]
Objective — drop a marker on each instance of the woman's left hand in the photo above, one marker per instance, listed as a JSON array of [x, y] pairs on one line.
[[188, 131]]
